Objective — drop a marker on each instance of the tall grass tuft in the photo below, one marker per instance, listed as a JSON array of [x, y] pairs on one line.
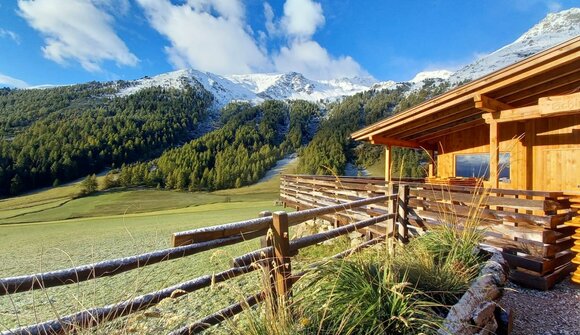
[[363, 296]]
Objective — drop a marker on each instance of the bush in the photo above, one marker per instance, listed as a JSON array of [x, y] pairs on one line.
[[88, 186]]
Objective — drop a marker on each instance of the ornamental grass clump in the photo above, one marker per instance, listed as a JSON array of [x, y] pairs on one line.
[[363, 296], [443, 262]]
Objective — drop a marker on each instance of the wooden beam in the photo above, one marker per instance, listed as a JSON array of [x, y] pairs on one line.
[[511, 115], [494, 154], [431, 171], [547, 106], [559, 105], [387, 163], [536, 65], [487, 104], [396, 142]]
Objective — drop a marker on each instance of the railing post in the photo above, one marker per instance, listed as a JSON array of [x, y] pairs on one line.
[[403, 200], [264, 239], [282, 283], [393, 209], [392, 224]]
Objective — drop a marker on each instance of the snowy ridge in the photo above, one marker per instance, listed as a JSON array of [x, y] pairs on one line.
[[552, 30], [437, 74]]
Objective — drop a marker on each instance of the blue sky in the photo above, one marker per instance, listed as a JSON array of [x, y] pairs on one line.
[[72, 41]]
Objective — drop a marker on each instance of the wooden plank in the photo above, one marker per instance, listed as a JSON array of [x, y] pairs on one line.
[[494, 154], [388, 163], [486, 200], [559, 105], [542, 283], [73, 323], [383, 140], [487, 104], [512, 115], [504, 216], [539, 265], [113, 267]]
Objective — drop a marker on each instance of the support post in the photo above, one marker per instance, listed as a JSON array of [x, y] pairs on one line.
[[388, 163], [403, 200], [281, 261], [494, 154], [264, 239], [431, 171], [392, 205]]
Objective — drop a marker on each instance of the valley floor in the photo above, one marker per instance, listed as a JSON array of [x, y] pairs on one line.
[[50, 230]]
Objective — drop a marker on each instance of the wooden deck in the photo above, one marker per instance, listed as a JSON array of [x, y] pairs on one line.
[[527, 226]]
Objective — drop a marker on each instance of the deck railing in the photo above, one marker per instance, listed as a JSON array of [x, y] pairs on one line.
[[527, 226], [275, 257]]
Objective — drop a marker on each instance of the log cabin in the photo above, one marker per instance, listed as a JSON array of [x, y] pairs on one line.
[[518, 128], [516, 132]]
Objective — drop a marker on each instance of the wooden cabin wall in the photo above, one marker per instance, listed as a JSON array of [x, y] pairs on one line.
[[552, 145], [556, 153], [476, 140]]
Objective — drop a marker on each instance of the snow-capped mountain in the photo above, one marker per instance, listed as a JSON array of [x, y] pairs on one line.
[[437, 74], [552, 30], [256, 87]]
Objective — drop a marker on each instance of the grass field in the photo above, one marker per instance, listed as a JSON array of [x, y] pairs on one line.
[[49, 230]]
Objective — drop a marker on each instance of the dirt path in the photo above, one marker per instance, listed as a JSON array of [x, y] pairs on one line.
[[537, 313]]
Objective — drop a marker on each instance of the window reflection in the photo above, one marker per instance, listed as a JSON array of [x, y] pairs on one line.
[[477, 165]]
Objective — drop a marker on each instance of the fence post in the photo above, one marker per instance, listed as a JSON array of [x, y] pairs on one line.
[[403, 200], [393, 209], [282, 266], [264, 239]]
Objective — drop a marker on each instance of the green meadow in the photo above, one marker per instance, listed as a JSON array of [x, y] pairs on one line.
[[51, 229]]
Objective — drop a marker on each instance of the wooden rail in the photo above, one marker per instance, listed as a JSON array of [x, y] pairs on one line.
[[527, 226], [279, 251]]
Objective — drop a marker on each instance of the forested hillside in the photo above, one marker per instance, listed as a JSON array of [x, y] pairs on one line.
[[239, 153], [50, 136], [331, 149]]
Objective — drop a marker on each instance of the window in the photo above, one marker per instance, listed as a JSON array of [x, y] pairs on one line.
[[477, 165]]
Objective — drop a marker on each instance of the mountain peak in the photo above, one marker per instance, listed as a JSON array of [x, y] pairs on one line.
[[566, 22], [436, 74], [554, 29]]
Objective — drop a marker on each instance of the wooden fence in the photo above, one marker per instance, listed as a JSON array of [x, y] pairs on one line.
[[527, 226], [275, 256]]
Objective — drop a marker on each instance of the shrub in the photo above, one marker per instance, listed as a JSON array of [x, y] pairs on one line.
[[88, 186]]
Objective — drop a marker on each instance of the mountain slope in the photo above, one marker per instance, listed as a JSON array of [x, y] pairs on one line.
[[552, 30]]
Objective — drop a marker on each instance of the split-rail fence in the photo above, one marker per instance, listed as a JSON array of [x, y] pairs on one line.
[[526, 226], [274, 257]]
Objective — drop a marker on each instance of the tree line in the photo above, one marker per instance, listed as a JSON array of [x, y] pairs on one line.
[[332, 148], [249, 142], [55, 135]]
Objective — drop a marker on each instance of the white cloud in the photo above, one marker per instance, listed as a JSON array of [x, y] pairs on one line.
[[4, 33], [271, 27], [79, 31], [302, 18], [209, 35], [11, 82], [554, 6], [309, 58], [213, 35], [300, 21]]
